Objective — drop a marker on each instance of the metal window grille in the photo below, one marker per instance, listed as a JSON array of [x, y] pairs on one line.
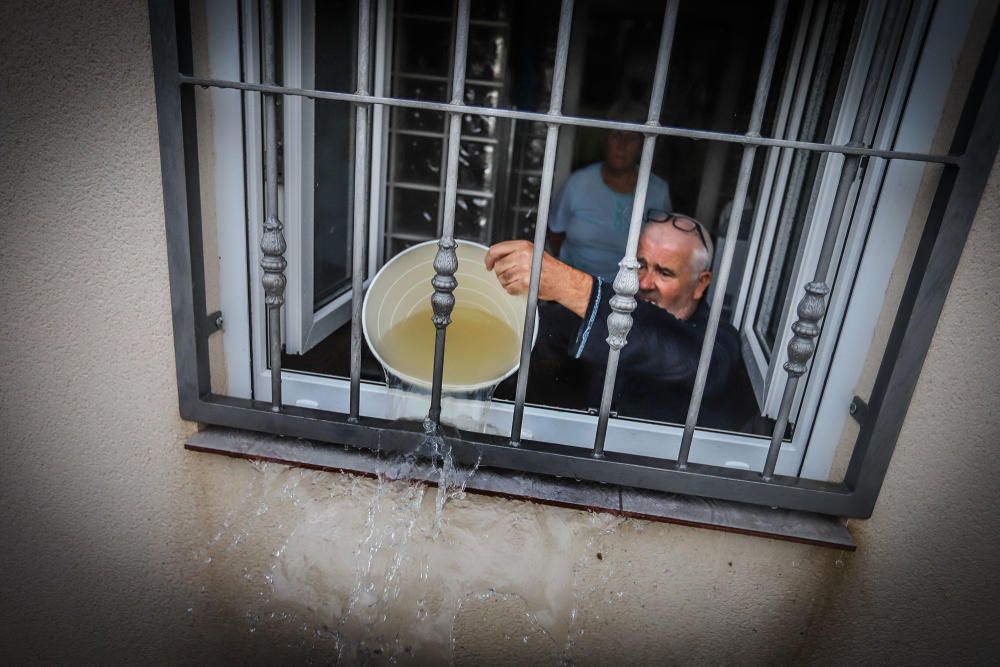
[[966, 168]]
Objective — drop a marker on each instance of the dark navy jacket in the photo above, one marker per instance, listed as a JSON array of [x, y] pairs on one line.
[[657, 366]]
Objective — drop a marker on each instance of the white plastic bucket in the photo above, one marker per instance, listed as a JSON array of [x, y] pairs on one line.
[[403, 286]]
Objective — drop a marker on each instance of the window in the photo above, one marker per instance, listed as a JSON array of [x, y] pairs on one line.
[[797, 195], [316, 170], [800, 217]]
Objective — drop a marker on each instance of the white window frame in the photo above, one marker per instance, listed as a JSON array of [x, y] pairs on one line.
[[227, 166], [871, 253], [302, 325], [791, 105], [765, 366]]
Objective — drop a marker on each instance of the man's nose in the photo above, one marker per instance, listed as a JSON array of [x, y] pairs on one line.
[[645, 280]]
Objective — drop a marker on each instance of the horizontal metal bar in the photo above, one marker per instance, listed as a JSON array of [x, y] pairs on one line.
[[485, 83], [441, 136], [407, 236], [541, 117], [423, 17], [491, 23], [407, 185], [532, 456]]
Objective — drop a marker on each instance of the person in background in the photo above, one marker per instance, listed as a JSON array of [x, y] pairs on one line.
[[657, 367], [588, 224]]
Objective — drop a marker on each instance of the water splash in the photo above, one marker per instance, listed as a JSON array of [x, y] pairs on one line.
[[356, 570], [590, 578], [464, 410]]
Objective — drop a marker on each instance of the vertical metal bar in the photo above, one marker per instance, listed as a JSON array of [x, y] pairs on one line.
[[626, 283], [181, 201], [446, 261], [812, 307], [360, 208], [381, 82], [505, 187], [819, 63], [541, 226], [272, 243], [732, 226]]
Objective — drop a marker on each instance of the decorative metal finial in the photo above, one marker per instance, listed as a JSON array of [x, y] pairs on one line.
[[444, 282], [811, 310], [623, 302], [272, 244], [442, 303]]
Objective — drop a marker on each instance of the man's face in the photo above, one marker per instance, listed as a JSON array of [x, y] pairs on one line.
[[622, 149], [666, 275]]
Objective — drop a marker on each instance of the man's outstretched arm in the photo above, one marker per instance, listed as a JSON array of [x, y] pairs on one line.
[[559, 282]]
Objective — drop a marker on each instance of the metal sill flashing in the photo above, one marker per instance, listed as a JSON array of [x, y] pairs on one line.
[[803, 527]]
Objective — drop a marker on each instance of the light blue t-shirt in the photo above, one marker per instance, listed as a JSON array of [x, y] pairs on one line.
[[595, 220]]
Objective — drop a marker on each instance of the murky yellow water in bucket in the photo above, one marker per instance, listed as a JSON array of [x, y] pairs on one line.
[[479, 346]]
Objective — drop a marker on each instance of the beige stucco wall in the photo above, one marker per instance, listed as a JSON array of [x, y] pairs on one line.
[[117, 546]]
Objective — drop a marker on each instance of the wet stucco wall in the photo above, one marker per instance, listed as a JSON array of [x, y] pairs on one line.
[[120, 547]]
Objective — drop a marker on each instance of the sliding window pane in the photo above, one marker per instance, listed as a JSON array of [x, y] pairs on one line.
[[414, 212], [418, 160], [333, 152]]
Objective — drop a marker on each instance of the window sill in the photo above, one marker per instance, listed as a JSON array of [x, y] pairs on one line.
[[804, 527]]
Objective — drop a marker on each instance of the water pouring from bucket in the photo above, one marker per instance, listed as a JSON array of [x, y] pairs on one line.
[[483, 344]]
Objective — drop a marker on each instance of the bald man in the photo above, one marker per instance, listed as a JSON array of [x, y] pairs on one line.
[[658, 365]]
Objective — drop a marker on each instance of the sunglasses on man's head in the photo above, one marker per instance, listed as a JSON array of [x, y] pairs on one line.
[[681, 222]]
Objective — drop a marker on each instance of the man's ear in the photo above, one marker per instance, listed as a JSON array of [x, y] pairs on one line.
[[704, 278]]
